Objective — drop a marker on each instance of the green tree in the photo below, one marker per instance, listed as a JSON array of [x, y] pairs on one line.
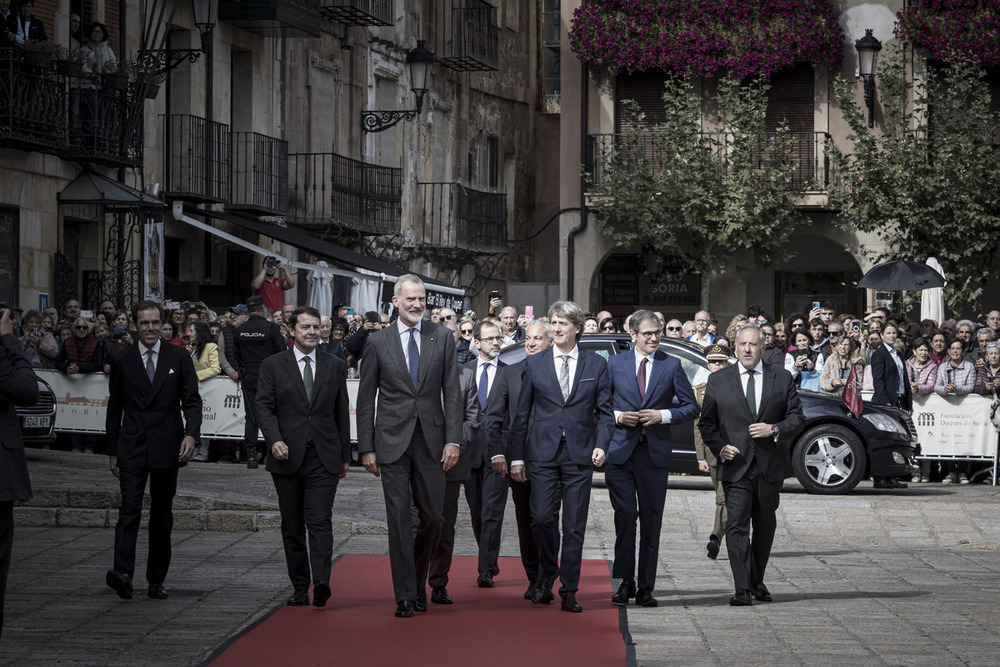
[[928, 184], [702, 197]]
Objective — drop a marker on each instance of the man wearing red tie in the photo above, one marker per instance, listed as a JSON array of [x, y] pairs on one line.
[[645, 382]]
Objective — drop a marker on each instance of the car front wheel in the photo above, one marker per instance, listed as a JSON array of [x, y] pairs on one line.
[[829, 459]]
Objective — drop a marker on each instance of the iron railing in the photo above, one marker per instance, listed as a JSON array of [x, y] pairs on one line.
[[457, 215], [810, 151], [329, 188], [359, 12], [49, 109], [259, 174], [195, 158], [474, 37]]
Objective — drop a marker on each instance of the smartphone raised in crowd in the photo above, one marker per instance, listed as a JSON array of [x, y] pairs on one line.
[[271, 263], [529, 312], [495, 294], [815, 304]]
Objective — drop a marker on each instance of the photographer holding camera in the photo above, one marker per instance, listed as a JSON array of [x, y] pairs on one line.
[[271, 286]]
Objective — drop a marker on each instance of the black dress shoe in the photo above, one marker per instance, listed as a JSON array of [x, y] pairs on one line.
[[543, 589], [157, 592], [321, 593], [761, 593], [298, 599], [404, 609], [439, 595], [420, 604], [485, 580], [529, 591], [570, 604], [896, 484], [120, 582], [713, 547], [741, 599], [644, 598], [884, 483], [626, 591], [495, 570]]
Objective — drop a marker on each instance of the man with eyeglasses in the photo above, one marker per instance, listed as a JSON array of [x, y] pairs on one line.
[[472, 464], [501, 409], [772, 354], [645, 381], [701, 334], [673, 329]]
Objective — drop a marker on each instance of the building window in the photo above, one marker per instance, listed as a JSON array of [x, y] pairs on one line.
[[10, 233], [492, 161]]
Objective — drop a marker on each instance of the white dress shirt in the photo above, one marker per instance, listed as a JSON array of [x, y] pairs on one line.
[[299, 356], [664, 414], [758, 383], [491, 374], [145, 354], [404, 338], [574, 356]]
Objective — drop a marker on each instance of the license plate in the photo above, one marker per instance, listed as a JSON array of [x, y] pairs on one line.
[[39, 421]]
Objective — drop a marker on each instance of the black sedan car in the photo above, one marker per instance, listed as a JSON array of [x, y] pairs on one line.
[[38, 421], [833, 451]]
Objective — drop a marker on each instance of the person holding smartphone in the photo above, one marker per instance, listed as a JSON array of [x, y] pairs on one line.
[[268, 284], [38, 345]]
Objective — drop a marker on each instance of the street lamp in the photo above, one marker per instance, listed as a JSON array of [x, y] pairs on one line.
[[419, 62], [868, 48], [160, 61]]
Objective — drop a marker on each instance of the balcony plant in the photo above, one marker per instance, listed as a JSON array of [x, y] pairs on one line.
[[928, 182], [69, 62], [702, 197], [953, 29], [37, 56], [709, 38]]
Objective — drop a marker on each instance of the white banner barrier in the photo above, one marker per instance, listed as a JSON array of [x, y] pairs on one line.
[[953, 426], [82, 402]]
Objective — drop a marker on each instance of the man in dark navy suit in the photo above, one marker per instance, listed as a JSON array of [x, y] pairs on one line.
[[645, 382], [566, 393]]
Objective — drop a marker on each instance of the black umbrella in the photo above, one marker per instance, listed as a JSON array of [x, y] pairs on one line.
[[902, 275]]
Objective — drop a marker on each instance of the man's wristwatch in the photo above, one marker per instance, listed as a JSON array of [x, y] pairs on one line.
[[774, 430]]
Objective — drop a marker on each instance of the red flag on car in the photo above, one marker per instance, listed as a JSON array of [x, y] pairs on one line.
[[852, 393]]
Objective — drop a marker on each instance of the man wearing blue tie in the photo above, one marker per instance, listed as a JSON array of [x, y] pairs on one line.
[[567, 394], [645, 382]]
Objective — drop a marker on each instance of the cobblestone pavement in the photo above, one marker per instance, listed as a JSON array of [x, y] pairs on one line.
[[872, 578]]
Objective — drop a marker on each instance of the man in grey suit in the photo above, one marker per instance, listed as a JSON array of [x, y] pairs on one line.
[[749, 418], [566, 393], [18, 387], [303, 411], [413, 438]]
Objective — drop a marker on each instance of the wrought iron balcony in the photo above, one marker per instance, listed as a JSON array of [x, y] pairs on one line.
[[813, 171], [259, 174], [327, 188], [274, 18], [358, 12], [50, 110], [456, 215], [196, 154], [473, 37]]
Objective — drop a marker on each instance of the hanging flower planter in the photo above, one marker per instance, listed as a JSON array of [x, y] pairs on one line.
[[953, 30], [115, 81], [69, 68], [707, 38]]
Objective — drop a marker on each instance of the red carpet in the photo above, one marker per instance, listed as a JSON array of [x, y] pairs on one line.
[[484, 626]]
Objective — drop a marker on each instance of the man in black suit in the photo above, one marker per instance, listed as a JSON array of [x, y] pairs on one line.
[[748, 419], [645, 381], [483, 373], [501, 410], [566, 392], [412, 439], [891, 386], [304, 412], [18, 387], [153, 423]]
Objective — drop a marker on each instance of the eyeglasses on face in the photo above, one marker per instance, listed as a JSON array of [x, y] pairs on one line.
[[490, 339], [466, 331], [607, 328], [650, 334], [81, 328], [447, 317], [673, 328]]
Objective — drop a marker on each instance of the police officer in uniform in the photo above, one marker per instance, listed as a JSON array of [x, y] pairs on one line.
[[254, 340]]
